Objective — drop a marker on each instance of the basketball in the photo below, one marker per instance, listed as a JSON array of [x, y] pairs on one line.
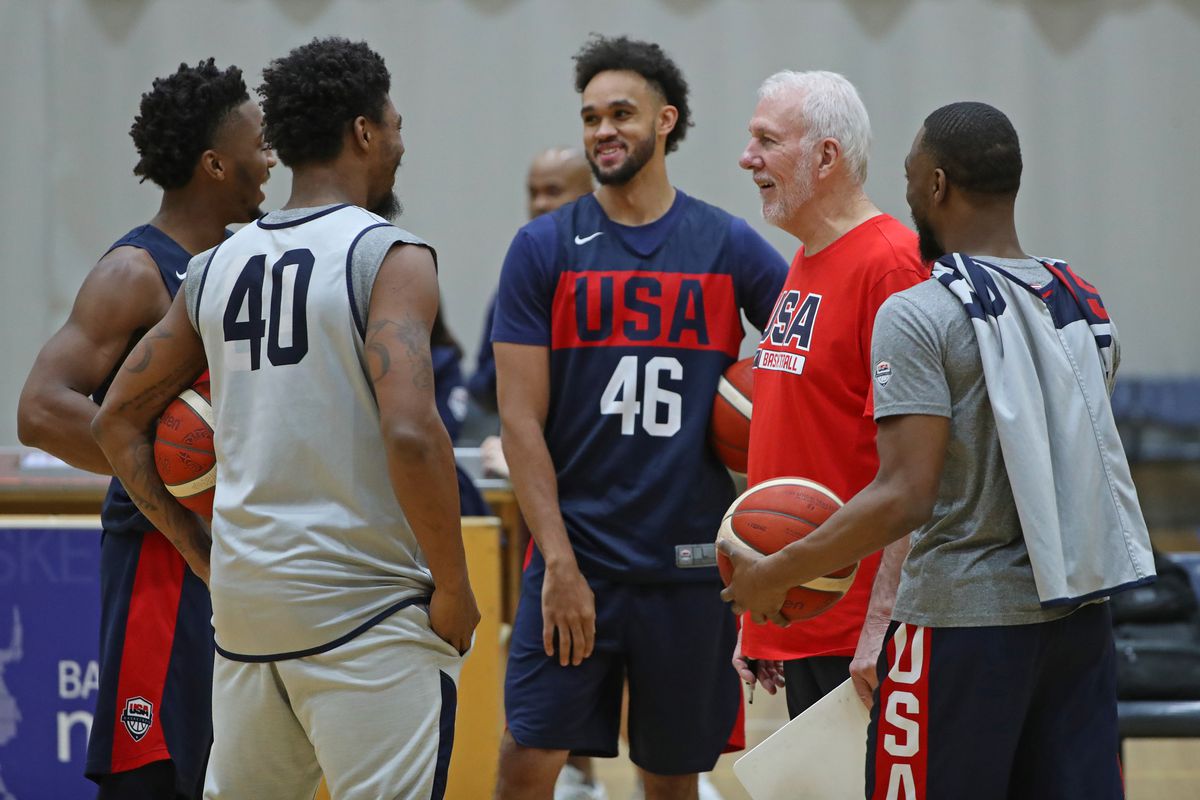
[[729, 427], [183, 449], [772, 515]]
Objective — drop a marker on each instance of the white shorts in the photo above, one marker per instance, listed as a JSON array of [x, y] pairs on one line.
[[374, 715]]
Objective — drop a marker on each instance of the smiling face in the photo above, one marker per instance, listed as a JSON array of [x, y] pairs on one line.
[[782, 162], [239, 146], [624, 119]]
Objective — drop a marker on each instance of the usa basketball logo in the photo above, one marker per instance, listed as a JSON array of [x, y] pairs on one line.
[[137, 717], [883, 373]]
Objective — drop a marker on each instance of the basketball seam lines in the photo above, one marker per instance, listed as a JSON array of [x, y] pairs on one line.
[[198, 404], [775, 514], [732, 395], [182, 446], [196, 485]]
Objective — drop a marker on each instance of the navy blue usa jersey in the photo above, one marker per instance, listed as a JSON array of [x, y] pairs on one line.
[[119, 514], [640, 323]]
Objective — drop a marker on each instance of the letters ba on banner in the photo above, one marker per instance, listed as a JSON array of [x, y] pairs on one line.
[[49, 629]]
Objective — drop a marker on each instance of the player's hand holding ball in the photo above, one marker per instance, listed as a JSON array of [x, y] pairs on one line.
[[453, 615], [568, 610], [747, 587]]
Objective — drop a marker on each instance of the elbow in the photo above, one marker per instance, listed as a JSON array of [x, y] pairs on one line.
[[413, 440], [34, 421], [913, 508], [906, 507], [102, 426]]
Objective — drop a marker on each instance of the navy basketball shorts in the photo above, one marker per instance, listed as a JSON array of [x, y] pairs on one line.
[[671, 642], [156, 661], [992, 713]]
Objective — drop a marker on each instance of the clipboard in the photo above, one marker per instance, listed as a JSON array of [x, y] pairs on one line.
[[820, 755]]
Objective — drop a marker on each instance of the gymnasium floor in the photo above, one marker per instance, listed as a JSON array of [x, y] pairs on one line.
[[1155, 769]]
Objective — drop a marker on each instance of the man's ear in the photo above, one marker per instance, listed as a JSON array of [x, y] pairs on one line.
[[941, 187], [831, 153], [210, 164], [360, 132], [668, 118]]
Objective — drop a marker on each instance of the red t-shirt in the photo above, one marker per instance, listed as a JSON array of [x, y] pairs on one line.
[[811, 416]]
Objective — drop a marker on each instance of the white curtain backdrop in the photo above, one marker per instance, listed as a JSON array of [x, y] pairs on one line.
[[1104, 93]]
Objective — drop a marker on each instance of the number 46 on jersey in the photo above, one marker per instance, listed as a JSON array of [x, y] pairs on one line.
[[660, 409]]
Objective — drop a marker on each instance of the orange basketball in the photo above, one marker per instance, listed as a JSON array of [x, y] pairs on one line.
[[772, 515], [183, 449], [729, 428]]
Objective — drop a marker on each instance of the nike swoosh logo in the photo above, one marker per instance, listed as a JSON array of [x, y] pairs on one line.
[[181, 275], [586, 239]]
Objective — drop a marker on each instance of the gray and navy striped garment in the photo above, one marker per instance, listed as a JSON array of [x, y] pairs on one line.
[[1049, 362]]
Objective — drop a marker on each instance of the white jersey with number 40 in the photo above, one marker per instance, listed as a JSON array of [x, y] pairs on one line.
[[309, 543]]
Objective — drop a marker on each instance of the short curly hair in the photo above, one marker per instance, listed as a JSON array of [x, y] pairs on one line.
[[178, 119], [313, 93], [976, 146], [601, 54]]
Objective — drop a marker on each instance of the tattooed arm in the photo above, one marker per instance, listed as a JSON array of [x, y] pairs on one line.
[[167, 360], [121, 298], [404, 301]]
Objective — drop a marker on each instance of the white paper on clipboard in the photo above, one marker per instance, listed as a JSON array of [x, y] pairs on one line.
[[820, 755]]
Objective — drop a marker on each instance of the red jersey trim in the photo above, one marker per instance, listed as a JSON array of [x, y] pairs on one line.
[[149, 638], [902, 740]]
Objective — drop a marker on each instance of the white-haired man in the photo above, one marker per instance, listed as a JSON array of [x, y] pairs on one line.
[[809, 141]]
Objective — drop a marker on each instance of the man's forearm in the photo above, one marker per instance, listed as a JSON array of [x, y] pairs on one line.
[[421, 467], [61, 424], [535, 483], [873, 519], [887, 579], [131, 453]]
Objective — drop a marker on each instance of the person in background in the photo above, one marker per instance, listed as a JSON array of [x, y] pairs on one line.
[[556, 176], [451, 395]]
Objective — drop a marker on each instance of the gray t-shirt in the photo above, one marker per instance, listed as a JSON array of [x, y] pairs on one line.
[[968, 565]]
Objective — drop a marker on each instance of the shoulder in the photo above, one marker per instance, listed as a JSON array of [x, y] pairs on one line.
[[544, 229], [124, 291], [694, 205], [742, 237], [888, 248], [889, 235], [538, 240], [927, 302], [409, 254], [714, 218], [129, 268], [378, 241]]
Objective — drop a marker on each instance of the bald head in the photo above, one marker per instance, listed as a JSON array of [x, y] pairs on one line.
[[557, 176]]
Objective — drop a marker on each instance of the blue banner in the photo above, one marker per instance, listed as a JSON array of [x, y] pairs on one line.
[[49, 635]]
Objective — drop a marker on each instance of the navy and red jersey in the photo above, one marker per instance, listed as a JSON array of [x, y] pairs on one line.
[[119, 514], [640, 323], [156, 647]]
